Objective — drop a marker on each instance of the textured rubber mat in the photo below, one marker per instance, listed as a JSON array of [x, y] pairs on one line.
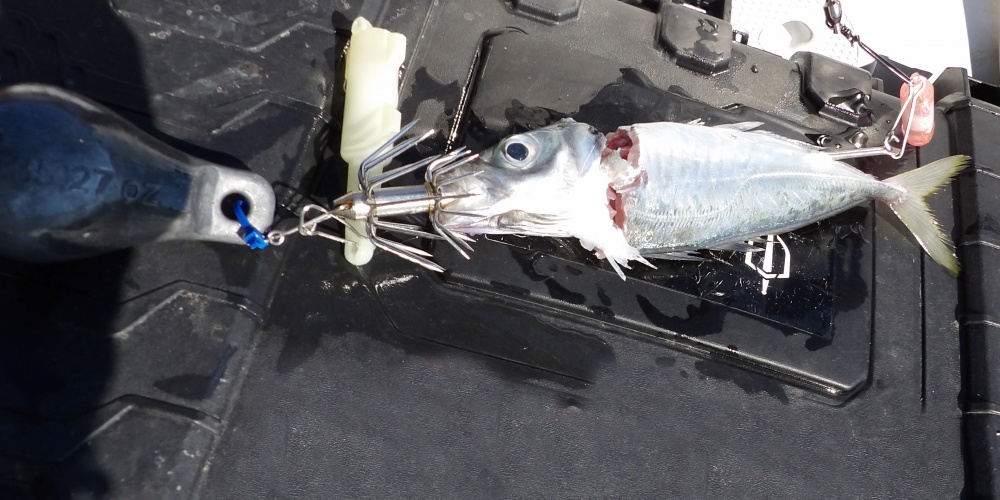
[[117, 373]]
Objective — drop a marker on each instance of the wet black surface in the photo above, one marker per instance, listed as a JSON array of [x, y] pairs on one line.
[[478, 396]]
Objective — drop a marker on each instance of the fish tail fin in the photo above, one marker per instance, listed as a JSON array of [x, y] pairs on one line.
[[912, 209]]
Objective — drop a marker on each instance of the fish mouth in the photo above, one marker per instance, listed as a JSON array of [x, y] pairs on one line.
[[465, 197], [621, 155]]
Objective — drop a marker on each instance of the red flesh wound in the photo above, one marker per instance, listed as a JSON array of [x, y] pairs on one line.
[[620, 142], [615, 202]]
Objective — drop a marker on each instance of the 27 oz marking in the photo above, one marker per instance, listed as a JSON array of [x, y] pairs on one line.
[[82, 175], [134, 192]]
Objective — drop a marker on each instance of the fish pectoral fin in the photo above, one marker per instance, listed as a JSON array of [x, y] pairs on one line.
[[685, 255], [529, 223]]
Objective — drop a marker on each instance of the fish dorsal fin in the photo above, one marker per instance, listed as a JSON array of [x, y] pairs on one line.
[[752, 128], [801, 144], [741, 126]]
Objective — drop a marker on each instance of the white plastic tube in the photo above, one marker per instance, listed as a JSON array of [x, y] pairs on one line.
[[370, 115]]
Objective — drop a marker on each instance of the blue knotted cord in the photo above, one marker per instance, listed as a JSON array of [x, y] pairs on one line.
[[251, 235]]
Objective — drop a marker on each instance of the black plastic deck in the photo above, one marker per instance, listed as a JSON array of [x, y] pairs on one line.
[[206, 370]]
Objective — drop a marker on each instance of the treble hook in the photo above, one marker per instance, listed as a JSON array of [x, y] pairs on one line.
[[373, 201]]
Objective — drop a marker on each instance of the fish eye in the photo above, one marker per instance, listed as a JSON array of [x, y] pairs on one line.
[[519, 151], [516, 151]]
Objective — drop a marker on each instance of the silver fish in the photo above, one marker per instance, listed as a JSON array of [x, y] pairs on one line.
[[664, 190]]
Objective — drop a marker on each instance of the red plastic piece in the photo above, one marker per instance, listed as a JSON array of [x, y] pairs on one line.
[[922, 124]]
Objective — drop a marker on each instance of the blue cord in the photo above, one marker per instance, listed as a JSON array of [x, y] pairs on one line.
[[253, 238]]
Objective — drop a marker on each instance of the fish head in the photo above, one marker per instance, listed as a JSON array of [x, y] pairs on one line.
[[525, 184]]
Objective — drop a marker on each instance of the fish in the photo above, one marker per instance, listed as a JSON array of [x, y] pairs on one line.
[[666, 190]]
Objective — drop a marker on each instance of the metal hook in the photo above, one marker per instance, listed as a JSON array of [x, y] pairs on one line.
[[373, 200]]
